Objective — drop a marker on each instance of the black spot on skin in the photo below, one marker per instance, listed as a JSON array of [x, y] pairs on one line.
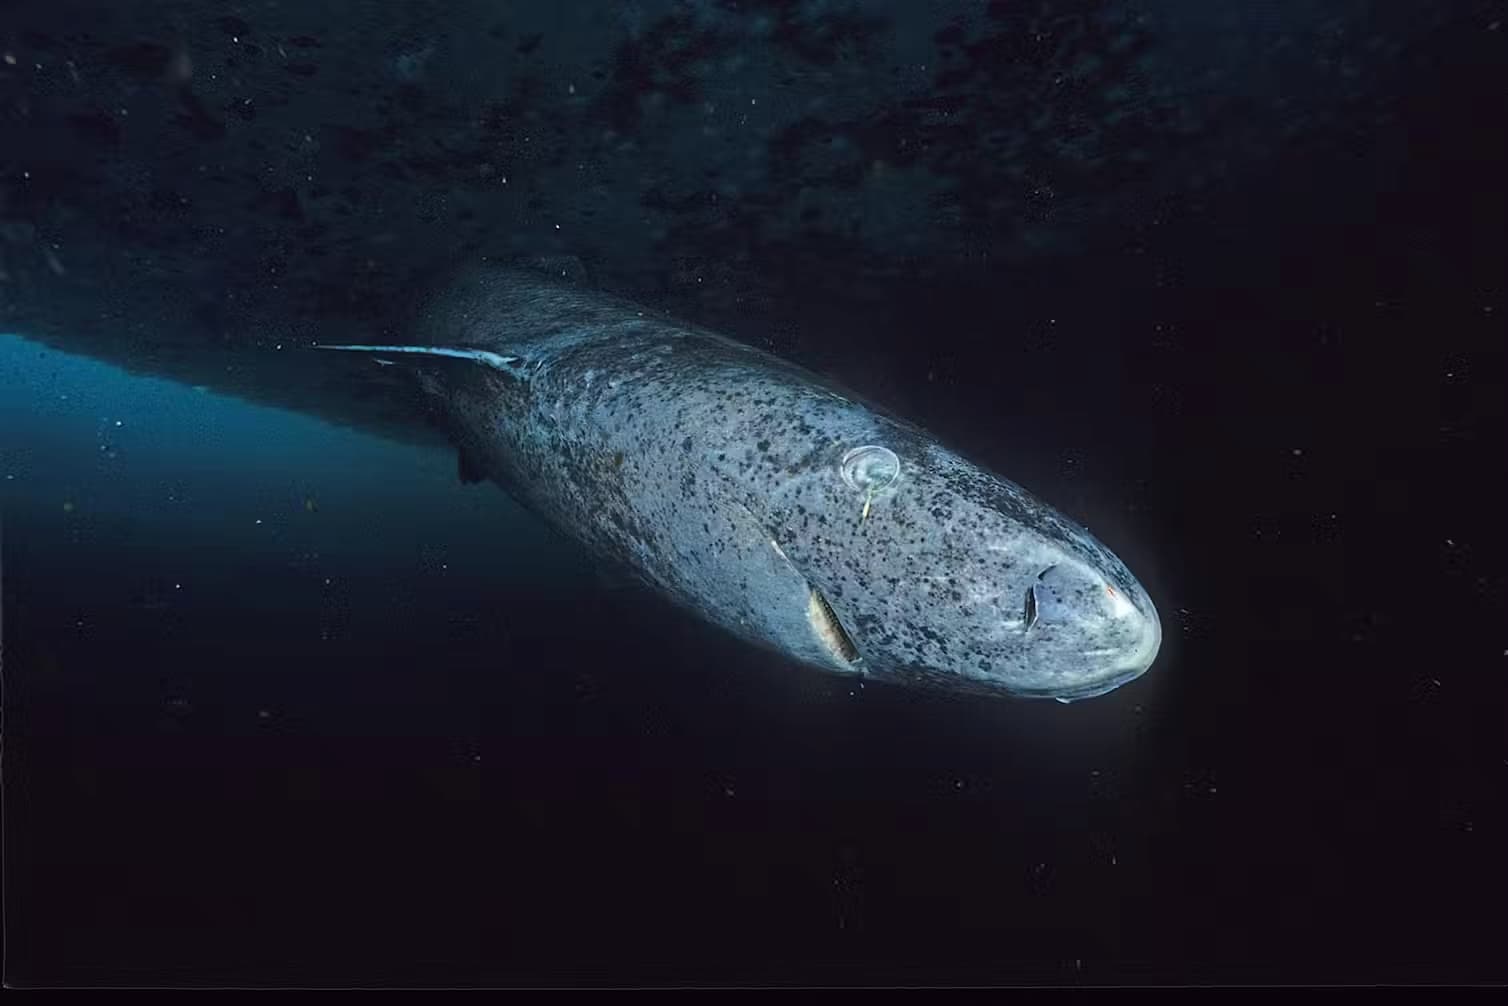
[[686, 445], [617, 459], [763, 446]]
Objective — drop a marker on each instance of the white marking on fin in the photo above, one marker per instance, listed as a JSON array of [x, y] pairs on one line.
[[495, 360]]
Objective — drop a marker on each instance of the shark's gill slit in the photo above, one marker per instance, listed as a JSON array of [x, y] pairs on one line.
[[825, 623], [1029, 615]]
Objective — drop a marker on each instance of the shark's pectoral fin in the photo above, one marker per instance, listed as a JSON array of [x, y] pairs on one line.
[[787, 606]]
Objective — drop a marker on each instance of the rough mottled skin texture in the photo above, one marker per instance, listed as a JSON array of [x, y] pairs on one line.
[[716, 471]]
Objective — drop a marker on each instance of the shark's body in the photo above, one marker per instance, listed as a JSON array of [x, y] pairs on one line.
[[770, 503]]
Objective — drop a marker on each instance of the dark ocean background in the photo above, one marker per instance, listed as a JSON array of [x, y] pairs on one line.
[[286, 703]]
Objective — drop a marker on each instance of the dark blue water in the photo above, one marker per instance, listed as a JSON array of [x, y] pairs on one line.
[[287, 703]]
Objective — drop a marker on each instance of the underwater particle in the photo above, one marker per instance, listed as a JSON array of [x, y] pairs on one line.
[[310, 506], [68, 506]]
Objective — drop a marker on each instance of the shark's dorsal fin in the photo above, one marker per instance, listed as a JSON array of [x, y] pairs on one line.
[[512, 365]]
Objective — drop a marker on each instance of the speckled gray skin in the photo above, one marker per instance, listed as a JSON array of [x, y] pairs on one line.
[[717, 472]]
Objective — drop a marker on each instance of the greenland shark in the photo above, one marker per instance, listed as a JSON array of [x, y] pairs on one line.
[[766, 499]]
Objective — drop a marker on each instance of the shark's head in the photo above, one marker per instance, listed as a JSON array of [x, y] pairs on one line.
[[927, 569]]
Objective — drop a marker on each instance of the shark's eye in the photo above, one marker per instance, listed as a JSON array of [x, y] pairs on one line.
[[870, 469]]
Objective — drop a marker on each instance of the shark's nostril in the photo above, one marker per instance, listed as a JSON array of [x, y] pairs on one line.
[[1062, 594]]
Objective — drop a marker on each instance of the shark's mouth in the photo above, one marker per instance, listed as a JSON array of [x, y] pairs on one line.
[[828, 630]]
